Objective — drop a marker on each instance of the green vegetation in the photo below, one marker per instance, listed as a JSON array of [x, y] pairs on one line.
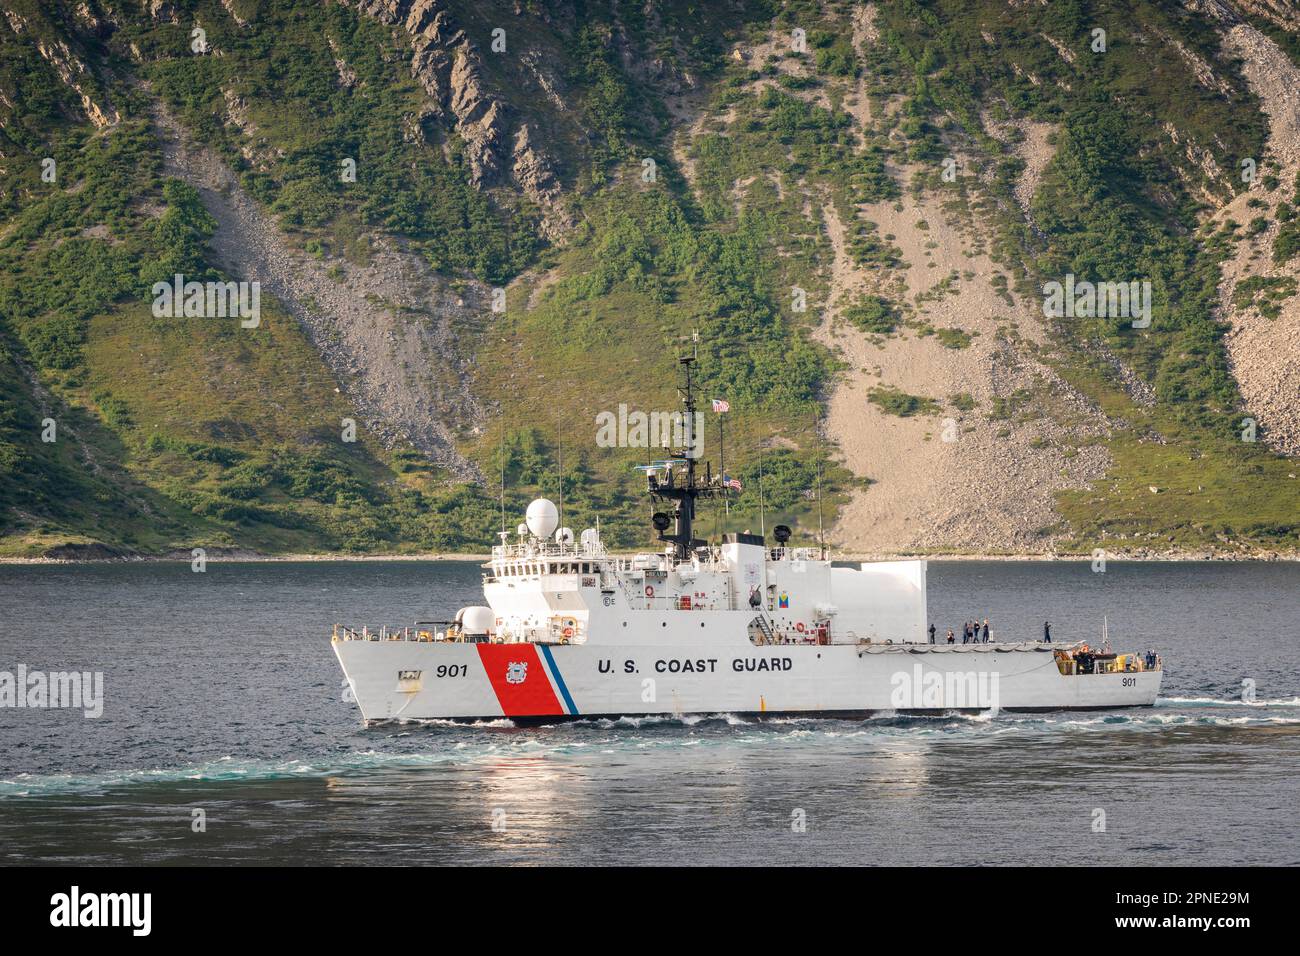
[[605, 106], [1287, 244], [955, 338], [873, 314], [168, 402], [173, 433], [1225, 493], [1266, 293], [868, 249], [148, 433], [1009, 407], [280, 79], [1096, 208], [893, 401], [1114, 204]]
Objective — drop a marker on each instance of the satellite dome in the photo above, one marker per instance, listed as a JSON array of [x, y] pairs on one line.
[[589, 537], [477, 620], [522, 529], [542, 517], [564, 536]]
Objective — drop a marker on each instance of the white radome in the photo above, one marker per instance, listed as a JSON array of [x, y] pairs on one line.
[[542, 517], [564, 536], [477, 620]]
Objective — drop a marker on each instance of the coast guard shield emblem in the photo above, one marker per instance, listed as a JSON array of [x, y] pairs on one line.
[[519, 680]]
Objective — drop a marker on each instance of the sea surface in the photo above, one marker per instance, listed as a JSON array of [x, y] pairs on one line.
[[226, 737]]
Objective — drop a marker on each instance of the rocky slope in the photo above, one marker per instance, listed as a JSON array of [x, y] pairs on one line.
[[960, 418], [1265, 350], [500, 143], [388, 329]]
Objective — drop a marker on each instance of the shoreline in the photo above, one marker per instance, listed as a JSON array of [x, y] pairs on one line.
[[251, 557]]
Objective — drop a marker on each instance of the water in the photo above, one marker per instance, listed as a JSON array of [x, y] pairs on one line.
[[222, 696]]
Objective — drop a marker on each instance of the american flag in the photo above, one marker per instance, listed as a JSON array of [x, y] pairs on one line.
[[733, 483], [721, 405]]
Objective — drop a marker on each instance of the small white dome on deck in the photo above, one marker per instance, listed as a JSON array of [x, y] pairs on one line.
[[477, 620]]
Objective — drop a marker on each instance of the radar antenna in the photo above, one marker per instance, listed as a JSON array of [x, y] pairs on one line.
[[678, 483]]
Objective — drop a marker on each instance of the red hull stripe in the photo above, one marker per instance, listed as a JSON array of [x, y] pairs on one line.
[[519, 680]]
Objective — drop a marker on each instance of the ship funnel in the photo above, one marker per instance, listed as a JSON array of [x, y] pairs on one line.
[[564, 536], [542, 517]]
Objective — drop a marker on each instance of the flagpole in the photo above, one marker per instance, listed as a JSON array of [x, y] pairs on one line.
[[762, 521], [559, 447], [502, 453], [722, 456], [821, 526]]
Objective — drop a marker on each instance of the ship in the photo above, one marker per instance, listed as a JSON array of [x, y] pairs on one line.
[[739, 626]]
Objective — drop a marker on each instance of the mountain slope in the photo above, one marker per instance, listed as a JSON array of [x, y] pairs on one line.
[[476, 227]]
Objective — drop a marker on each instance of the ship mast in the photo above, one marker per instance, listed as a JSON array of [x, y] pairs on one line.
[[683, 493]]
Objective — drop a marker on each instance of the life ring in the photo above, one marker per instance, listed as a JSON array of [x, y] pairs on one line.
[[649, 591], [799, 627], [567, 632]]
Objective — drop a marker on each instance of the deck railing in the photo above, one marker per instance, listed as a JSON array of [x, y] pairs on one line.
[[421, 632]]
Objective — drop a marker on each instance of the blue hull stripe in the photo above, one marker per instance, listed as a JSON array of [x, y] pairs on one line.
[[559, 680]]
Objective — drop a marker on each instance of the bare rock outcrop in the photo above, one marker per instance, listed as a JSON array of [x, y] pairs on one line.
[[480, 118], [531, 169], [75, 75], [499, 147], [229, 7], [1284, 13], [160, 11]]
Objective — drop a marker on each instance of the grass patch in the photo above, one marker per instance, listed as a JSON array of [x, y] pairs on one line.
[[955, 338], [1265, 293], [873, 315], [893, 401]]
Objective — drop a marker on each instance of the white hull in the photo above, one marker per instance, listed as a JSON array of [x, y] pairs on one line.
[[569, 630], [398, 680]]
